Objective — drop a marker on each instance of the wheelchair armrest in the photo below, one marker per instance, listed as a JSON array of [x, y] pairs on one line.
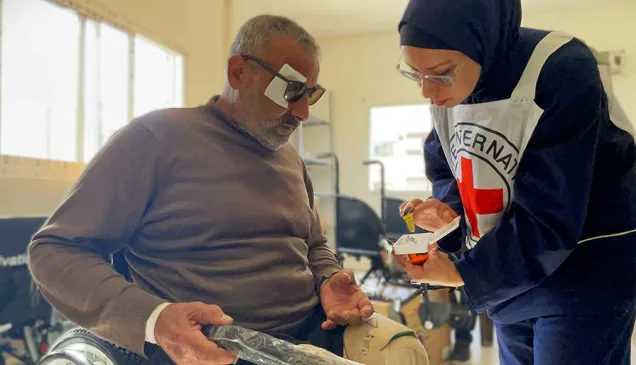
[[404, 284], [358, 252], [5, 327]]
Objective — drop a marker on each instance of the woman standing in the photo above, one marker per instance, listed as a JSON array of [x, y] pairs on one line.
[[524, 149]]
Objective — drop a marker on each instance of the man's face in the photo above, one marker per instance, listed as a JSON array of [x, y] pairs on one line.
[[266, 120]]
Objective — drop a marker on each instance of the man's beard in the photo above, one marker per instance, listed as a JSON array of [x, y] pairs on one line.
[[274, 135], [271, 133]]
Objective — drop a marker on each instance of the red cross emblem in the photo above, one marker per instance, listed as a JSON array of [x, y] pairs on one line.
[[477, 201]]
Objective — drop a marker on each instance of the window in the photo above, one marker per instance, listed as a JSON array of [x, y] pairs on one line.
[[69, 83], [151, 92], [397, 140], [106, 91], [39, 80]]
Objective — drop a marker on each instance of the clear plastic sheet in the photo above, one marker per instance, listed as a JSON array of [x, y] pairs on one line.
[[262, 349]]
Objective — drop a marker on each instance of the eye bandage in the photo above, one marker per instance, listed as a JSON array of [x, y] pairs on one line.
[[276, 89]]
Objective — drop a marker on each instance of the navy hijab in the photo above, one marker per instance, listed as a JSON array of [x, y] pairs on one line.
[[483, 30]]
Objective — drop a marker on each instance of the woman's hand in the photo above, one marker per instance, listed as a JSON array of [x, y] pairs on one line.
[[431, 214], [438, 269]]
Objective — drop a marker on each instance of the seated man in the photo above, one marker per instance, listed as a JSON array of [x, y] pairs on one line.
[[213, 205]]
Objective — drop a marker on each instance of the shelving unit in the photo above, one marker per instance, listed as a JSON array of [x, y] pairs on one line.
[[314, 143], [313, 122], [321, 169]]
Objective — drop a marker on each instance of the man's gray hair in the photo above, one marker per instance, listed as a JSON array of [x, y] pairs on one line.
[[258, 30]]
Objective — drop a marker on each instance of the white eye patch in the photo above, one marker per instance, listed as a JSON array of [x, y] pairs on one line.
[[276, 89]]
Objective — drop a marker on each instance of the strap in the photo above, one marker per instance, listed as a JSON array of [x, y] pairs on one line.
[[364, 342], [527, 86]]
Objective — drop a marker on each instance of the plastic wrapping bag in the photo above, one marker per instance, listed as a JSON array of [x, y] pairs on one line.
[[262, 349]]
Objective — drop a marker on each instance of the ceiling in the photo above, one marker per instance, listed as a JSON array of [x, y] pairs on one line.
[[329, 18]]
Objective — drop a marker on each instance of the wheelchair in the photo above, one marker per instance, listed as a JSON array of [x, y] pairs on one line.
[[361, 233], [81, 347], [26, 318]]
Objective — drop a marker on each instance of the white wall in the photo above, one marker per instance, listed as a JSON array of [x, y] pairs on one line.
[[605, 29], [361, 73], [198, 30]]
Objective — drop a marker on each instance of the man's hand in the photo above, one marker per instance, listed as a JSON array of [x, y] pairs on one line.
[[343, 301], [438, 269], [178, 333], [431, 214]]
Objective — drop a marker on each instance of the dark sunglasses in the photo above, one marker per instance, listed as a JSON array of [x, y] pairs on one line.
[[295, 89]]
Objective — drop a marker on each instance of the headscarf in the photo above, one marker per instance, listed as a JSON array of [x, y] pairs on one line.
[[483, 30]]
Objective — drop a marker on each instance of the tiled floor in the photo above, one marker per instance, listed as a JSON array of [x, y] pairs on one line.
[[483, 355]]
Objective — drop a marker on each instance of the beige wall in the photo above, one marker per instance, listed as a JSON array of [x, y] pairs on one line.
[[196, 29], [361, 73]]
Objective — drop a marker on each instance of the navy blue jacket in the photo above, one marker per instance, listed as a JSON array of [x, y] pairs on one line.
[[568, 243]]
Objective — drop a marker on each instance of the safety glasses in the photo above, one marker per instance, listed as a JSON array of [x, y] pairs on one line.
[[295, 89], [442, 80]]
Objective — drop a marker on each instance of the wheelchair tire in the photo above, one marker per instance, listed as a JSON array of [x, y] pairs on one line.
[[80, 337]]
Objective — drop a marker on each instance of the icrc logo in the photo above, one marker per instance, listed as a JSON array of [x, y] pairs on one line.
[[484, 163]]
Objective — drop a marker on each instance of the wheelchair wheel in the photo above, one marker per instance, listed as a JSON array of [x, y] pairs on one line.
[[80, 347]]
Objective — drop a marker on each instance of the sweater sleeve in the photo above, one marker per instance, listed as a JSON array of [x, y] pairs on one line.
[[552, 187], [322, 260], [444, 188], [69, 256]]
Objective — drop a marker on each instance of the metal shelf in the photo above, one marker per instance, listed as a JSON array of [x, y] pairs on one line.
[[314, 121], [310, 161]]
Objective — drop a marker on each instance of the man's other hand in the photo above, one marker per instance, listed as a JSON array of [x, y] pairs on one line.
[[343, 301], [178, 333]]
